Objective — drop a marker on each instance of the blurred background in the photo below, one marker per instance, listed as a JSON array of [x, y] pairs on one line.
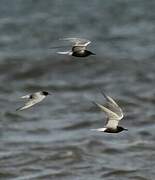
[[52, 140]]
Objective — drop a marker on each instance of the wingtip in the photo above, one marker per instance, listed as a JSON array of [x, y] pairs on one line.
[[88, 44], [96, 104], [92, 129], [18, 109], [103, 94], [108, 98]]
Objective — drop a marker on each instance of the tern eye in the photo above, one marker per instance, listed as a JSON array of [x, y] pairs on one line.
[[45, 93]]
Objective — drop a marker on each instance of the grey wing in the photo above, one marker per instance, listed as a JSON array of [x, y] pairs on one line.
[[31, 102], [26, 96], [113, 106], [27, 105], [78, 41], [112, 118]]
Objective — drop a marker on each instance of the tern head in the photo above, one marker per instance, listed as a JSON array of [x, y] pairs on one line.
[[89, 53], [45, 93], [119, 129]]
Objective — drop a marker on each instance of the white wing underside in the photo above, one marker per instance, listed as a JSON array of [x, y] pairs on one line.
[[108, 112], [113, 117], [27, 105], [65, 52], [26, 96], [99, 129], [31, 102], [114, 106]]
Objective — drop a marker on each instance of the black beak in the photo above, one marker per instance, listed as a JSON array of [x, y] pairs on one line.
[[125, 129], [93, 54]]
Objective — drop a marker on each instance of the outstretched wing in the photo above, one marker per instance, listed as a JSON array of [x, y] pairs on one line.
[[112, 117], [110, 114], [65, 52], [26, 96], [78, 41], [113, 106], [27, 105], [35, 99]]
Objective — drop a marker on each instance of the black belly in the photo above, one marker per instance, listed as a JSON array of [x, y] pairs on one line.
[[80, 54], [112, 131]]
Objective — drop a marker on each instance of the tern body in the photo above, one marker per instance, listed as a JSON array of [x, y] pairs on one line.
[[110, 130], [114, 115], [33, 99], [78, 48]]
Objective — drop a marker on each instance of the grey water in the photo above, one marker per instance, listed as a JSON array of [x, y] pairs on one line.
[[52, 140]]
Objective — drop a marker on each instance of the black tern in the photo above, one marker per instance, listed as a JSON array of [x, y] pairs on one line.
[[33, 99], [78, 48], [114, 115]]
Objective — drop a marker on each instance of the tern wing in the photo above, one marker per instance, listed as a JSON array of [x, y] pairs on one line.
[[65, 52], [31, 102], [26, 96], [110, 114], [112, 117], [113, 106], [78, 41], [27, 105]]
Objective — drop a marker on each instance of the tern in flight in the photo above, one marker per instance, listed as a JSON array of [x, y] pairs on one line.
[[33, 99], [78, 48], [114, 114]]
